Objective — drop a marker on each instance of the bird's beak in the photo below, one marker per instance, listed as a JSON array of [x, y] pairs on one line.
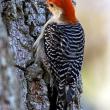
[[46, 4]]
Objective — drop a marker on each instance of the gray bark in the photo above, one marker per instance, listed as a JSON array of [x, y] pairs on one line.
[[23, 20], [9, 89]]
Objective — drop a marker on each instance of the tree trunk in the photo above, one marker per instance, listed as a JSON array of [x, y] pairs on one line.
[[9, 89], [23, 20]]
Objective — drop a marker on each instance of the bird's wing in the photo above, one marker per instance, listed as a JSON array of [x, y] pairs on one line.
[[63, 45]]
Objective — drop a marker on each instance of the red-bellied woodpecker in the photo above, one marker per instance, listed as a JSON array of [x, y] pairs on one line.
[[61, 43]]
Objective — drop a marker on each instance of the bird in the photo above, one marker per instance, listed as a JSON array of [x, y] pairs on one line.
[[60, 49]]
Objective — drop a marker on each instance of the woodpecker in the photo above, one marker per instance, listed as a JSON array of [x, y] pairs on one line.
[[61, 46]]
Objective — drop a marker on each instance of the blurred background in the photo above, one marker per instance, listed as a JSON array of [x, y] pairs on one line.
[[95, 18]]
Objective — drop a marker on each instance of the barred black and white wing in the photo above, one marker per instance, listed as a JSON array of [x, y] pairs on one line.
[[64, 48]]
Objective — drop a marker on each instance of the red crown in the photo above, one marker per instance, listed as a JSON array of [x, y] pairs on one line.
[[68, 9]]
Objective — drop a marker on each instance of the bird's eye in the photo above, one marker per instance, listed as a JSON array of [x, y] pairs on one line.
[[51, 5]]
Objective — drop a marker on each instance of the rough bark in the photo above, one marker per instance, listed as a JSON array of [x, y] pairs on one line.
[[9, 89], [23, 20]]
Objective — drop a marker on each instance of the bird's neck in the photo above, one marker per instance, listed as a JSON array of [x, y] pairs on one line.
[[64, 20], [69, 15], [57, 19]]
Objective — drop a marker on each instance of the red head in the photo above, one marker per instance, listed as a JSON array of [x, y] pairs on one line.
[[68, 9]]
